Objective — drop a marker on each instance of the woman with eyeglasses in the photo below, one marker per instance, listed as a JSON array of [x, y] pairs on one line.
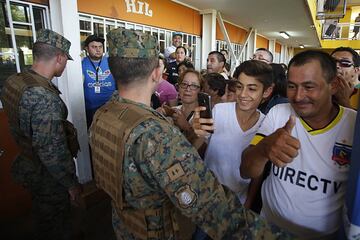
[[190, 84]]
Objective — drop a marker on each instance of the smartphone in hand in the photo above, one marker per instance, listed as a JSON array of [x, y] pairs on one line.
[[204, 100]]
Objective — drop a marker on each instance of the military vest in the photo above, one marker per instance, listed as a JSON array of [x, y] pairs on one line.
[[13, 90], [111, 127]]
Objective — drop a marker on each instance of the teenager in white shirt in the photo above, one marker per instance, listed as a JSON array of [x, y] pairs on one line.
[[235, 124]]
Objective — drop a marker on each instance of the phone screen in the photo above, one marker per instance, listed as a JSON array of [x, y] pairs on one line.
[[204, 100]]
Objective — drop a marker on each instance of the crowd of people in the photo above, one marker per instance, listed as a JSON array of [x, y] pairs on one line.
[[271, 163]]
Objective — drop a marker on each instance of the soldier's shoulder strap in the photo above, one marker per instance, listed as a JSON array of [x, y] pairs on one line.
[[14, 88]]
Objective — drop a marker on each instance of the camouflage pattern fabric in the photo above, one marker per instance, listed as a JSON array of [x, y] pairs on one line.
[[52, 172], [160, 162], [54, 39], [131, 44]]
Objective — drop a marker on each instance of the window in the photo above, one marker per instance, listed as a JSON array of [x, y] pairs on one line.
[[90, 24], [22, 24]]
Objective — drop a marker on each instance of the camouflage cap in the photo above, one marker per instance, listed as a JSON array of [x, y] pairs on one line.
[[128, 43], [54, 39]]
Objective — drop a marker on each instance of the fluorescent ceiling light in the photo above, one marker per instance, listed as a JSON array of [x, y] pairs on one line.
[[301, 46], [285, 35]]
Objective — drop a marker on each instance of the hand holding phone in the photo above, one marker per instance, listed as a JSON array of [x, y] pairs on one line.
[[204, 100]]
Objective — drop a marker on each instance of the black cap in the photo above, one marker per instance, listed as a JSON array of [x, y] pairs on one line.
[[93, 38], [176, 34]]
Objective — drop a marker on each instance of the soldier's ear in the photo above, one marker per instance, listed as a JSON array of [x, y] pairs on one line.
[[156, 74]]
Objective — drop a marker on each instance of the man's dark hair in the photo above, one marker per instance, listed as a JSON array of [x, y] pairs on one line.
[[216, 82], [327, 63], [266, 50], [187, 64], [220, 57], [259, 70], [182, 48], [356, 58], [43, 51], [131, 70]]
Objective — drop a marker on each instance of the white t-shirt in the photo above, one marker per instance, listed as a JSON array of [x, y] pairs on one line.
[[306, 196], [223, 154], [169, 50]]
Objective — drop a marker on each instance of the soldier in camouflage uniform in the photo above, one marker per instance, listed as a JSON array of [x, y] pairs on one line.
[[37, 118], [149, 168]]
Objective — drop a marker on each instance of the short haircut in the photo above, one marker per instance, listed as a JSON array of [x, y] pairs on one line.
[[220, 57], [187, 64], [201, 80], [182, 48], [259, 70], [216, 82], [43, 51], [327, 63], [131, 70], [356, 58], [268, 52]]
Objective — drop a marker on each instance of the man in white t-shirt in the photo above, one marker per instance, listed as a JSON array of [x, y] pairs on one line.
[[170, 51], [309, 143]]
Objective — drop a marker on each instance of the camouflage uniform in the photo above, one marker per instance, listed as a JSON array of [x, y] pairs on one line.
[[161, 167], [49, 171]]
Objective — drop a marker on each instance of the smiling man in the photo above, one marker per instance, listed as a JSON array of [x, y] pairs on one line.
[[309, 143]]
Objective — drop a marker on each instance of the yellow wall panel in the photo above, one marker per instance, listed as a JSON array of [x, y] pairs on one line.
[[262, 42], [236, 34]]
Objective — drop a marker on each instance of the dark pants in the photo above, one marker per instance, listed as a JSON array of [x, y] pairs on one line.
[[51, 211]]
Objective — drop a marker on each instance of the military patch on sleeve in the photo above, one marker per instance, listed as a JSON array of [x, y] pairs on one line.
[[186, 197], [175, 171]]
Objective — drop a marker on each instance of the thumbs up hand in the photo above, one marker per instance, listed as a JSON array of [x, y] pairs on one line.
[[280, 147]]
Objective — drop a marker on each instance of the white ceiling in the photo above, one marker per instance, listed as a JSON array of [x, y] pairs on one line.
[[269, 17]]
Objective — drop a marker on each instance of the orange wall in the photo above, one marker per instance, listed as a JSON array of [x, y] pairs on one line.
[[166, 14], [277, 48], [236, 34], [262, 42], [44, 2]]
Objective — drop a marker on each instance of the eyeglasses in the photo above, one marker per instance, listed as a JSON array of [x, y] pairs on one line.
[[344, 63], [191, 86]]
